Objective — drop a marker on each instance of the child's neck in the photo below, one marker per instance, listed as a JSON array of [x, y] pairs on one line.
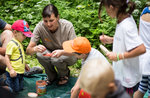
[[18, 39], [121, 17], [85, 57]]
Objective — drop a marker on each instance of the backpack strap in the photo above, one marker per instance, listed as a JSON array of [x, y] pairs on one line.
[[19, 52]]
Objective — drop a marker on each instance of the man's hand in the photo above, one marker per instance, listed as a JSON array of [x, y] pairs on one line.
[[39, 48]]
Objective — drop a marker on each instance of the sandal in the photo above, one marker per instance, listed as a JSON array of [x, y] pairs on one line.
[[63, 80], [48, 82]]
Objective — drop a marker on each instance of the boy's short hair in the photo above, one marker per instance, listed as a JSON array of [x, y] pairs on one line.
[[95, 76], [78, 45]]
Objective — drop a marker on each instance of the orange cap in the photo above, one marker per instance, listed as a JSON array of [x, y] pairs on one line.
[[79, 45]]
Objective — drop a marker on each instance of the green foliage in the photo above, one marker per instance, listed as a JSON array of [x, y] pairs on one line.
[[140, 4], [84, 16], [29, 10], [82, 13]]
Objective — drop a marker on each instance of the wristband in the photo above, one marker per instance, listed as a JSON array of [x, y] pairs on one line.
[[118, 57], [122, 55]]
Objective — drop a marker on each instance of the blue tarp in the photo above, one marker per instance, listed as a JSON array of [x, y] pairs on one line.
[[53, 91]]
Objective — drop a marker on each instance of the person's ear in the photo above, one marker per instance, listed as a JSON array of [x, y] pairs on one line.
[[58, 17], [112, 86], [84, 55], [14, 31], [111, 7]]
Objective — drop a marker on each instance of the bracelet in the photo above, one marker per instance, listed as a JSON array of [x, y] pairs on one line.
[[118, 57], [122, 55]]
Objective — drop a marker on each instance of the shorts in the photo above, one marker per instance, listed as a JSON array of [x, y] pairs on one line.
[[15, 83], [133, 89], [145, 84]]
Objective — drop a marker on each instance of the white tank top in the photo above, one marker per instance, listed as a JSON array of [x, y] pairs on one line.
[[144, 32]]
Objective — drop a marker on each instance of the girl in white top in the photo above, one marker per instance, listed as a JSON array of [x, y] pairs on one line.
[[144, 32], [127, 45]]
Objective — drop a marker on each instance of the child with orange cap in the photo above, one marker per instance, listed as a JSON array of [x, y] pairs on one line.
[[79, 47], [15, 56], [97, 78]]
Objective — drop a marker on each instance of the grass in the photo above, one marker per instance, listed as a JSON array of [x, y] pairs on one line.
[[74, 72]]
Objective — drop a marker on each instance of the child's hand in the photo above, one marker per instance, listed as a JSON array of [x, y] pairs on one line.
[[75, 91], [105, 39], [112, 56], [57, 53], [27, 68], [72, 89], [13, 73]]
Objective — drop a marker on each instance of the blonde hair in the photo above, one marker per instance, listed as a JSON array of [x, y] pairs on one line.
[[95, 76]]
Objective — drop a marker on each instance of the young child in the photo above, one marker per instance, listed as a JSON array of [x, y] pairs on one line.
[[79, 47], [127, 45], [15, 56], [97, 78], [144, 32]]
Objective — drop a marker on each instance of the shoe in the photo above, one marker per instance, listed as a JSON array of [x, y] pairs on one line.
[[63, 80]]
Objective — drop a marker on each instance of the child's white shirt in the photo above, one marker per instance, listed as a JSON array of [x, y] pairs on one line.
[[94, 54], [126, 38], [144, 32]]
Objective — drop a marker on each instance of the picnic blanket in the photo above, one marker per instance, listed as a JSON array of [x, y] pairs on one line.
[[53, 91]]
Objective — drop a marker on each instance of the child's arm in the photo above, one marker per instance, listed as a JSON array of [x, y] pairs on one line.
[[58, 53], [130, 54], [135, 52], [10, 68], [7, 27], [75, 90]]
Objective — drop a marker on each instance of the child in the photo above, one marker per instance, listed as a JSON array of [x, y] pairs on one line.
[[15, 56], [79, 47], [144, 32], [127, 45], [97, 78]]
